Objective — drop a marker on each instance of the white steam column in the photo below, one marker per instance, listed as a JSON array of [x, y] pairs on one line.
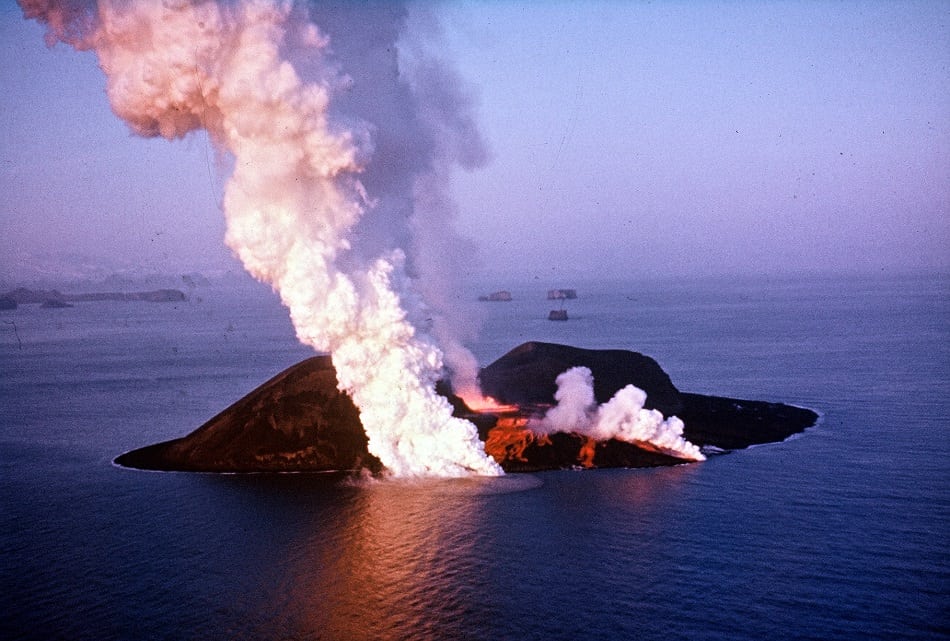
[[623, 417], [296, 195]]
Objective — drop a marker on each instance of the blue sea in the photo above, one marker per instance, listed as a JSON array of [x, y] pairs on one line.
[[842, 532]]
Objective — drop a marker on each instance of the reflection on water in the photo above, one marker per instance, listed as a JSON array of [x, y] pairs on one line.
[[439, 559], [386, 560], [410, 565]]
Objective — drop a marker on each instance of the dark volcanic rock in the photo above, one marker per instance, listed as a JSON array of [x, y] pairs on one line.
[[299, 421], [526, 375], [731, 424]]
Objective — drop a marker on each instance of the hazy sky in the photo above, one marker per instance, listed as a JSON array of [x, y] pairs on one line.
[[626, 138]]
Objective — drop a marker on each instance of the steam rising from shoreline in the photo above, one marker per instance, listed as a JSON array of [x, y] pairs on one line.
[[342, 148], [623, 417]]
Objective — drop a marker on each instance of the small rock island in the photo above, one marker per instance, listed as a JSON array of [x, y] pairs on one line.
[[54, 298], [501, 296], [299, 421]]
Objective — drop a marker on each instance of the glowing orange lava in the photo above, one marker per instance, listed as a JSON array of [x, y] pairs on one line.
[[477, 402], [510, 437], [585, 457]]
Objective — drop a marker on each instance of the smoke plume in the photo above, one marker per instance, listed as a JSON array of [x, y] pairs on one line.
[[342, 132], [623, 417]]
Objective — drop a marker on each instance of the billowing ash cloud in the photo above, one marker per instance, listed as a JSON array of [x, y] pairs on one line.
[[342, 132], [623, 417]]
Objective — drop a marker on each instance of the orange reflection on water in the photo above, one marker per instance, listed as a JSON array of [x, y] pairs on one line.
[[403, 563], [396, 559]]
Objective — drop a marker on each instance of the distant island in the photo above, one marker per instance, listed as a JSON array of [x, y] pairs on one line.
[[52, 298], [54, 303], [502, 296]]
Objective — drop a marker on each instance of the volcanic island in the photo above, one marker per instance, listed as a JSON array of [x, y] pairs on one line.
[[299, 421]]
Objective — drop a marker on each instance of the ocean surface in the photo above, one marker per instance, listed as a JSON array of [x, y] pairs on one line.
[[842, 532]]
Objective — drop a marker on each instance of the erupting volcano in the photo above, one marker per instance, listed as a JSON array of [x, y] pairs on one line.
[[300, 421], [341, 129]]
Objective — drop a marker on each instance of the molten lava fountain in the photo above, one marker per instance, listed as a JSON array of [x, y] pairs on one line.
[[331, 207]]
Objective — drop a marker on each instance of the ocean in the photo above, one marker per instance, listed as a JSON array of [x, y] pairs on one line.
[[840, 532]]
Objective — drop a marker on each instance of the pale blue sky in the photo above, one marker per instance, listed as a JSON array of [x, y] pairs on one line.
[[626, 138]]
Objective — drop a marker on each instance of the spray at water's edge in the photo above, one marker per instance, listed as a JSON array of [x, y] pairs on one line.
[[623, 417], [330, 206]]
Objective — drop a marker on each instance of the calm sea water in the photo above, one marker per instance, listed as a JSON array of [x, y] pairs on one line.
[[839, 533]]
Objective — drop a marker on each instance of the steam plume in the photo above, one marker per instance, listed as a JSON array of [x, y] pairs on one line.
[[623, 417], [341, 150]]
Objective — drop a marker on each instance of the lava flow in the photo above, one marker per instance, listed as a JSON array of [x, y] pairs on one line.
[[510, 433], [510, 437], [481, 404]]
